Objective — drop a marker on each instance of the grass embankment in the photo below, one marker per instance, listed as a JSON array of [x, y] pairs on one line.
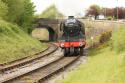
[[106, 64], [16, 44]]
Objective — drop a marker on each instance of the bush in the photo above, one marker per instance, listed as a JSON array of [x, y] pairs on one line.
[[105, 36], [118, 39], [110, 18]]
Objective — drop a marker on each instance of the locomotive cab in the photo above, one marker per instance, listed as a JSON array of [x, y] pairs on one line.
[[73, 38]]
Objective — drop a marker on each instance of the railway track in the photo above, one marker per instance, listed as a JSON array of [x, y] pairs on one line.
[[17, 63], [41, 73], [8, 69], [38, 69]]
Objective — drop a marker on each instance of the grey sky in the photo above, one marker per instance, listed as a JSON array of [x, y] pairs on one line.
[[75, 7]]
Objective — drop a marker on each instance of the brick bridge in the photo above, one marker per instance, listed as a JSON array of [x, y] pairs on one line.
[[52, 25]]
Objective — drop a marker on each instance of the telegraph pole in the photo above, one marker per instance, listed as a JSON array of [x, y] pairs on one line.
[[105, 12]]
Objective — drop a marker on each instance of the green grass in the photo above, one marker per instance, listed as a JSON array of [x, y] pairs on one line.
[[105, 64], [16, 44], [118, 39]]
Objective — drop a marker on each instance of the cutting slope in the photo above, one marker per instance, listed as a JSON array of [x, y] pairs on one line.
[[16, 44]]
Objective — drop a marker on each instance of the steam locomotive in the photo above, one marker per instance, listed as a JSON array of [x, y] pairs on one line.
[[72, 40]]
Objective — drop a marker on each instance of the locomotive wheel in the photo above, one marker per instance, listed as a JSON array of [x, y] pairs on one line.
[[72, 50], [76, 51], [81, 51], [66, 52]]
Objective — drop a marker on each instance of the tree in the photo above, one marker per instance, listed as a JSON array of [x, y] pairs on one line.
[[121, 12], [112, 12], [51, 12], [20, 12], [3, 10], [15, 9], [93, 10], [27, 16]]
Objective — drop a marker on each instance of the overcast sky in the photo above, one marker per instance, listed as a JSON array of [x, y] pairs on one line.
[[75, 7]]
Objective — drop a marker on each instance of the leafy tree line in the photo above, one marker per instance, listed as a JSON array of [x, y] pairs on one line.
[[51, 12], [114, 11], [20, 12], [95, 10]]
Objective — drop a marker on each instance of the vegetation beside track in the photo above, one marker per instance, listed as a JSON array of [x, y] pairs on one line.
[[16, 44], [105, 64]]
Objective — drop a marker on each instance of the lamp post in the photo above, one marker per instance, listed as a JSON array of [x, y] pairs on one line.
[[117, 10]]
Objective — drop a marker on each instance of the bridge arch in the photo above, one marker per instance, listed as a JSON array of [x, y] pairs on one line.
[[52, 25], [52, 34]]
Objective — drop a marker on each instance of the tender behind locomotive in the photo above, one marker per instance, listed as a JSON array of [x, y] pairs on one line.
[[73, 38]]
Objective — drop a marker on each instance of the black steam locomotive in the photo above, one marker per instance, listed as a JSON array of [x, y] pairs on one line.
[[73, 38]]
